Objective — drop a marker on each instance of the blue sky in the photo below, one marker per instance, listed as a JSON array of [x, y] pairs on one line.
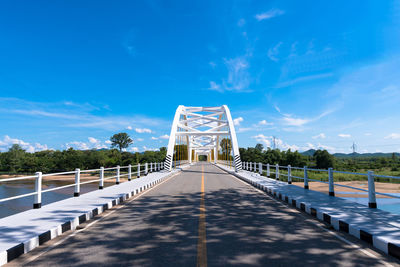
[[311, 73]]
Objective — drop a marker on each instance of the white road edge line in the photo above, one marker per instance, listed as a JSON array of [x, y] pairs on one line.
[[319, 226], [116, 208]]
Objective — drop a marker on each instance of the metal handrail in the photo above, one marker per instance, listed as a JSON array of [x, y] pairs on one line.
[[140, 169], [274, 169]]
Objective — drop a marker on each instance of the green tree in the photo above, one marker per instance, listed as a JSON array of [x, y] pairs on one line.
[[120, 140], [226, 146], [323, 159], [259, 147]]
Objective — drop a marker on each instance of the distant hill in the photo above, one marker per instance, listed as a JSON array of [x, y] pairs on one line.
[[311, 152]]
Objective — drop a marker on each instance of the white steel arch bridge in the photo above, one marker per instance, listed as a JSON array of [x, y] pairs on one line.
[[199, 131]]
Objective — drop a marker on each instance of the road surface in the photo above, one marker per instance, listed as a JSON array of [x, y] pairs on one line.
[[204, 216]]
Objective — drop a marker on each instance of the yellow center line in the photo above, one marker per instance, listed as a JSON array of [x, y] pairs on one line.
[[202, 242]]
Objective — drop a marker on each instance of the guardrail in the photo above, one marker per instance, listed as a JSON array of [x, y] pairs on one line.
[[277, 170], [139, 170]]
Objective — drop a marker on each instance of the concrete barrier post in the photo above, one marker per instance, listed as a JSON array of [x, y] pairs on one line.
[[277, 172], [371, 190], [305, 178], [129, 172], [37, 203], [118, 174], [289, 173], [255, 167], [101, 181], [247, 165], [138, 170], [146, 168], [77, 182], [260, 170], [250, 168], [331, 185], [159, 166], [151, 166], [268, 170]]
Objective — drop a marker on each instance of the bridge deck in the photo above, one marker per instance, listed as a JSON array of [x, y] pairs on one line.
[[243, 227], [24, 231], [378, 227]]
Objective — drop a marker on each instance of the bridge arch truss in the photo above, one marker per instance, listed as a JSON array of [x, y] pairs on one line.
[[202, 129]]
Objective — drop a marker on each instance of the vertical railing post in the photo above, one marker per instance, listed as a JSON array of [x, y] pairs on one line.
[[159, 166], [101, 181], [138, 170], [331, 185], [151, 166], [277, 171], [250, 168], [371, 190], [289, 173], [255, 167], [260, 170], [77, 182], [268, 170], [247, 165], [305, 178], [146, 168], [118, 174], [129, 172], [37, 204]]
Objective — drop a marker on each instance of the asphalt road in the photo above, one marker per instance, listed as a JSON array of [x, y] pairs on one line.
[[242, 227]]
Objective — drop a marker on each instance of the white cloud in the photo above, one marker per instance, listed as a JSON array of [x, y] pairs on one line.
[[149, 149], [212, 64], [165, 136], [243, 129], [93, 140], [108, 142], [393, 136], [140, 139], [319, 136], [295, 121], [215, 87], [154, 138], [344, 135], [77, 145], [263, 139], [133, 149], [273, 52], [269, 14], [143, 130], [368, 134], [265, 123], [129, 127], [7, 142], [237, 121]]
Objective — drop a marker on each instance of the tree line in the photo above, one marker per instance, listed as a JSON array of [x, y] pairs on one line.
[[17, 160]]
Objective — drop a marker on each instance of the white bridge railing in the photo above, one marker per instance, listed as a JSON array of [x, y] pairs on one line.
[[286, 171], [131, 170]]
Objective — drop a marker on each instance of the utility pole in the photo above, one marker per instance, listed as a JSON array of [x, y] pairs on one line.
[[274, 141], [354, 147]]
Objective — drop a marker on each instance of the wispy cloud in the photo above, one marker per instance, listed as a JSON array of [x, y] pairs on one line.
[[393, 136], [344, 135], [273, 52], [238, 76], [319, 136], [269, 14], [303, 79], [143, 130]]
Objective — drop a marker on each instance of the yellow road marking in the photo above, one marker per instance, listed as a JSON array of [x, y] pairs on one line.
[[201, 241]]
